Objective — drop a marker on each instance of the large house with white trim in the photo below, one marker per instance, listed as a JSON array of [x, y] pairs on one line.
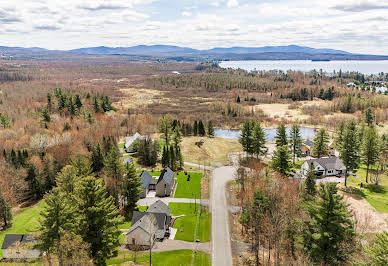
[[323, 167]]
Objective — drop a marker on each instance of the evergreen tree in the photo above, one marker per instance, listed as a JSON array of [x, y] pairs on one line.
[[370, 151], [349, 149], [58, 216], [281, 136], [329, 235], [165, 157], [195, 128], [66, 180], [97, 159], [321, 143], [46, 115], [5, 212], [210, 129], [238, 99], [165, 128], [369, 117], [281, 161], [172, 156], [78, 101], [258, 140], [34, 185], [309, 184], [246, 136], [98, 219], [340, 135], [113, 170], [201, 129], [96, 105], [378, 252], [296, 142], [131, 189], [4, 120]]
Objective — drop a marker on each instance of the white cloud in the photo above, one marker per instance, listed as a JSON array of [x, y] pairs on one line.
[[186, 14], [232, 3]]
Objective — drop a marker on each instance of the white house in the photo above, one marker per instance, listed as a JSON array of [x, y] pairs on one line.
[[329, 166]]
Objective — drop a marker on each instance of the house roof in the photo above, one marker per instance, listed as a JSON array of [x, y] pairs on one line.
[[129, 140], [167, 175], [127, 160], [331, 162], [308, 143], [146, 178], [11, 239], [149, 222], [159, 207]]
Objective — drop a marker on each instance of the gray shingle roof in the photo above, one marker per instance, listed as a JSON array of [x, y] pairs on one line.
[[150, 222], [145, 179], [332, 162], [159, 207], [308, 143], [168, 175], [11, 239]]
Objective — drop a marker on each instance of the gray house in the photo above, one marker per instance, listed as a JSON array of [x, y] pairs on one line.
[[145, 179], [149, 226], [19, 246], [130, 140], [165, 183], [323, 167]]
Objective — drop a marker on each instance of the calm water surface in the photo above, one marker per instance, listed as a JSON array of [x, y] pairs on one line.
[[365, 67], [270, 133]]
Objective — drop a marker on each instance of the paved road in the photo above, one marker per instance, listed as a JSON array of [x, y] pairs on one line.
[[221, 244], [149, 201], [199, 166]]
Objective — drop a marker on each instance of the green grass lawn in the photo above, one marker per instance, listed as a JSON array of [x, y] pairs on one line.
[[166, 258], [376, 195], [188, 189], [185, 189], [25, 221], [188, 222]]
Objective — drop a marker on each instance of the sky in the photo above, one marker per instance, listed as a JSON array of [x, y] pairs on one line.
[[359, 26]]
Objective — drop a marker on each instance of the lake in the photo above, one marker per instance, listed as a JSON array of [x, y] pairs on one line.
[[270, 133], [365, 67]]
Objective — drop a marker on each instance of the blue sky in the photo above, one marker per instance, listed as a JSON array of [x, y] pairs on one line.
[[359, 26]]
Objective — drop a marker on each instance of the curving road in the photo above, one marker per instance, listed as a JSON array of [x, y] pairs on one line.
[[221, 244]]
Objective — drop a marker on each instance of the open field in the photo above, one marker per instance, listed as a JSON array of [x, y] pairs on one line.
[[212, 151], [165, 258], [280, 111], [136, 97], [188, 189], [376, 195], [188, 223]]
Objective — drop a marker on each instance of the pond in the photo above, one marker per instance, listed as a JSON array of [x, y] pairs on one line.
[[270, 133]]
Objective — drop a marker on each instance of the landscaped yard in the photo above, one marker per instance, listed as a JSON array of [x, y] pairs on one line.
[[189, 221], [213, 150], [376, 195], [185, 189], [165, 258], [188, 189], [25, 221]]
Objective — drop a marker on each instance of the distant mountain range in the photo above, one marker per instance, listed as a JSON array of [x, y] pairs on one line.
[[179, 51], [169, 52]]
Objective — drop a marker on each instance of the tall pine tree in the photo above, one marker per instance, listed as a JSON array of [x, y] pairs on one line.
[[321, 143], [131, 189], [295, 142], [281, 136]]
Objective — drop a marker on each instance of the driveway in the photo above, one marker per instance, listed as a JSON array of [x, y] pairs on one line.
[[200, 166], [149, 201], [221, 244], [169, 244]]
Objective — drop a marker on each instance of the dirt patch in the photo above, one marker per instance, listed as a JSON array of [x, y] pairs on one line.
[[281, 111], [134, 97], [213, 150], [205, 186], [368, 219]]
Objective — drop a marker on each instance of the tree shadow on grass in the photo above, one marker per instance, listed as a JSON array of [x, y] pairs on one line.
[[375, 188]]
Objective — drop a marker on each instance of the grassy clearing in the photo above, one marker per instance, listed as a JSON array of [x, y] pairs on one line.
[[376, 195], [165, 258], [212, 151], [25, 221], [189, 221], [188, 189]]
